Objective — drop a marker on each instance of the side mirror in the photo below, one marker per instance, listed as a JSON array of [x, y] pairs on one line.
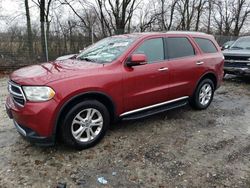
[[136, 59]]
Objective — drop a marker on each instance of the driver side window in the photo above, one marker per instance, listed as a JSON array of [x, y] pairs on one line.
[[153, 49]]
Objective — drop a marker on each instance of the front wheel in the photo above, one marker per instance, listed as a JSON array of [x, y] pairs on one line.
[[203, 95], [85, 124]]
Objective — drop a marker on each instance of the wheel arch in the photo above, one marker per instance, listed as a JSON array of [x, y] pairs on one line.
[[211, 75], [96, 95]]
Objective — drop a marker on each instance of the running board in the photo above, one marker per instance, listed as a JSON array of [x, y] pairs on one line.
[[155, 110]]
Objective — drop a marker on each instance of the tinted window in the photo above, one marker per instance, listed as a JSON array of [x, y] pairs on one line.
[[179, 47], [153, 49], [206, 45]]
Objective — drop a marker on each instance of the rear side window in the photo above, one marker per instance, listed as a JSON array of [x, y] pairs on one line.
[[153, 49], [206, 45], [179, 47]]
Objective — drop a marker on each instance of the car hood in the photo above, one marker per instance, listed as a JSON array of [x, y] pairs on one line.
[[244, 53], [44, 73]]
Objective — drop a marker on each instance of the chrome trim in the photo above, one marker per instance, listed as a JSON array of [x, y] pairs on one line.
[[163, 69], [199, 62], [236, 68], [153, 106], [236, 61], [20, 129], [13, 92], [17, 95]]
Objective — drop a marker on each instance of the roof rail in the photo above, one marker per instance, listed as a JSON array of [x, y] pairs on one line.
[[187, 32]]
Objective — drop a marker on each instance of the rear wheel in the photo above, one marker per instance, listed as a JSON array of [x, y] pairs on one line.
[[85, 124], [203, 95]]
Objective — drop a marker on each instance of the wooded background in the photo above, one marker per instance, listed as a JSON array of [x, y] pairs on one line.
[[71, 25]]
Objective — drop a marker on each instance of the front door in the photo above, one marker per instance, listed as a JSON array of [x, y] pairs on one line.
[[145, 85]]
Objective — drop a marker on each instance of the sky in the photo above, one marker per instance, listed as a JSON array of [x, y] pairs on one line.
[[9, 6], [9, 11], [14, 13]]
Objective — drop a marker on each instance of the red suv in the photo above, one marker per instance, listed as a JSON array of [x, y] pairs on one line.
[[127, 77]]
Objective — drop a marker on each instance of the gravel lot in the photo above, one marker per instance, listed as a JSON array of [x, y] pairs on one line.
[[180, 148]]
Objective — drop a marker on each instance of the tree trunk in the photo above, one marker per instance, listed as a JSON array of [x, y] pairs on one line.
[[209, 17], [42, 27], [199, 11], [29, 31], [163, 26], [172, 15]]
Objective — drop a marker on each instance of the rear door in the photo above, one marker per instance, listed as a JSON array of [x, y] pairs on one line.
[[185, 65], [212, 57], [145, 85]]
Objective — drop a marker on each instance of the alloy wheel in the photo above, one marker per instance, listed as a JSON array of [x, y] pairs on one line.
[[205, 94], [87, 125]]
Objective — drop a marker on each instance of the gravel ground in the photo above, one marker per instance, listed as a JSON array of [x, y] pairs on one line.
[[179, 148]]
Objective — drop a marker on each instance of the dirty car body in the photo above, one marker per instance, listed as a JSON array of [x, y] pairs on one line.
[[121, 77]]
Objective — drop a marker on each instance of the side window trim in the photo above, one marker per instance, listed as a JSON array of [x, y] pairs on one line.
[[164, 47], [194, 38], [191, 43]]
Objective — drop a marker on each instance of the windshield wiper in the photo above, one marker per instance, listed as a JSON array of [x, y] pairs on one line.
[[92, 60], [87, 59], [237, 47]]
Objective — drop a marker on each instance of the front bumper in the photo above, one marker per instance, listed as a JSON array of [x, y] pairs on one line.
[[33, 121], [33, 137], [237, 70]]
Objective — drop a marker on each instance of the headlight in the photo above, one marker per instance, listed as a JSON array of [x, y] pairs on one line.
[[38, 93]]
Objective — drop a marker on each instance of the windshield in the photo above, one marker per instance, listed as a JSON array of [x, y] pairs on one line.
[[242, 43], [106, 50]]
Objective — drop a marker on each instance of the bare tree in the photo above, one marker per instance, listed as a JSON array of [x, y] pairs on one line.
[[200, 9], [223, 16], [210, 4], [120, 13], [186, 9], [87, 16], [167, 10], [44, 9], [29, 30], [105, 25], [241, 12], [147, 17]]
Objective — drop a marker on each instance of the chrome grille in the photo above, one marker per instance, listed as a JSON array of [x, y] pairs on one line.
[[16, 93], [237, 58]]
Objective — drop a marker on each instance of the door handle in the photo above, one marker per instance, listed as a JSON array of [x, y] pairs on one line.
[[199, 62], [163, 69]]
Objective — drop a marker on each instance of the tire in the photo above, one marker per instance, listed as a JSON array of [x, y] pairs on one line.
[[197, 101], [75, 130]]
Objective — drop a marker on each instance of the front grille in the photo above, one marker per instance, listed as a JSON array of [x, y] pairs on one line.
[[242, 58], [237, 64], [16, 93], [237, 61]]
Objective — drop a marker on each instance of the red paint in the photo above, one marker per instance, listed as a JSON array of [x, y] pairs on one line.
[[129, 87]]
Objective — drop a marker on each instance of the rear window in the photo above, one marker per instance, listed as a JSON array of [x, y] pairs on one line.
[[178, 47], [206, 45]]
